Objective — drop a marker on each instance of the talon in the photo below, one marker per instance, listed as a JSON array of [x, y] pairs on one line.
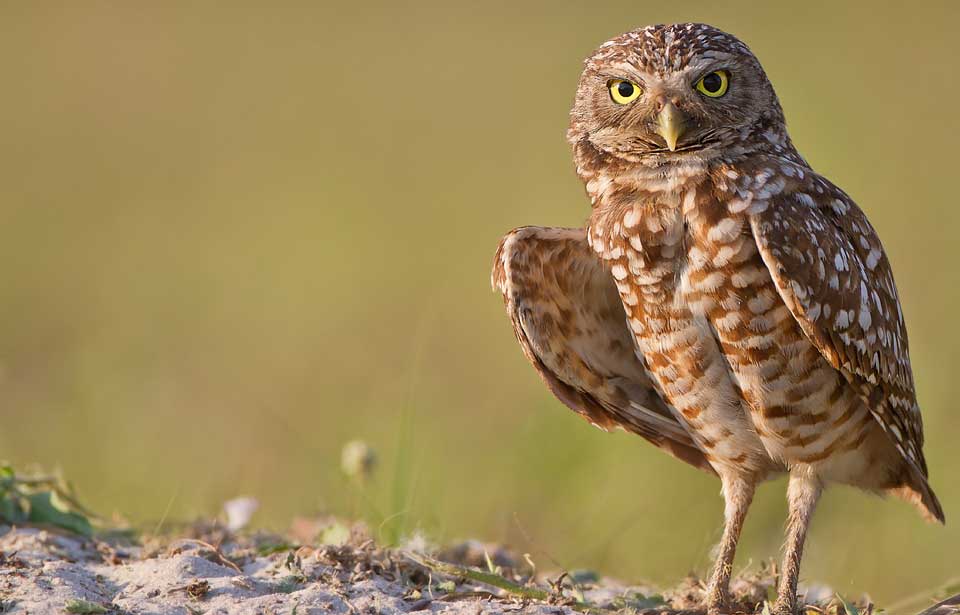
[[783, 607], [718, 603]]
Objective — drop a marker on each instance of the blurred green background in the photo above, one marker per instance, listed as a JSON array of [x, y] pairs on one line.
[[236, 236]]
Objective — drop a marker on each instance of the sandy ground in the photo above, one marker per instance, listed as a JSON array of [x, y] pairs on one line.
[[43, 571], [212, 571]]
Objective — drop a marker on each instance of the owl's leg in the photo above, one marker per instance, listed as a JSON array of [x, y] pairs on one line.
[[802, 495], [737, 495]]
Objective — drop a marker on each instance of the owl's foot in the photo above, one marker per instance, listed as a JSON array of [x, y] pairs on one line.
[[718, 602], [784, 606]]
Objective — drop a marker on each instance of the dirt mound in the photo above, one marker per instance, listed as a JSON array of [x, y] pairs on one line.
[[209, 570]]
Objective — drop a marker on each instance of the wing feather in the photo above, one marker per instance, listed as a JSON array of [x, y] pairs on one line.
[[832, 272], [569, 320]]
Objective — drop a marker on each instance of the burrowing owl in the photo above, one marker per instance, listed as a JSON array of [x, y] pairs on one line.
[[725, 301]]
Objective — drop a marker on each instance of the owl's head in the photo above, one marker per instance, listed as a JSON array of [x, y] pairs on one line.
[[674, 91]]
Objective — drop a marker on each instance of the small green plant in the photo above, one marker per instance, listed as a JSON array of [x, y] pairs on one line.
[[84, 607], [271, 548], [288, 584], [46, 500]]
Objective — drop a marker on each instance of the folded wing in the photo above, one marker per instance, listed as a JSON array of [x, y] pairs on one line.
[[831, 271], [569, 320]]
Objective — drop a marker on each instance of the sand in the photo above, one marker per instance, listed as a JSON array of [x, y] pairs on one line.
[[209, 569]]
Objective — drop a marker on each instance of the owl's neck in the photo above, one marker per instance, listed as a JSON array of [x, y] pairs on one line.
[[606, 173], [616, 181]]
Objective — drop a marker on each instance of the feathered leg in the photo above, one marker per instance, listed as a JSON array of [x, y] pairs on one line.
[[802, 494], [737, 495]]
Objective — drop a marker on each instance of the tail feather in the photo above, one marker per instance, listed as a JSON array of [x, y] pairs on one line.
[[916, 490]]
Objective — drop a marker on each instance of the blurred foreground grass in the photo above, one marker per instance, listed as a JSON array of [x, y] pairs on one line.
[[238, 236]]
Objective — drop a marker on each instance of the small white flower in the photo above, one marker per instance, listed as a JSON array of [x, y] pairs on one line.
[[239, 511]]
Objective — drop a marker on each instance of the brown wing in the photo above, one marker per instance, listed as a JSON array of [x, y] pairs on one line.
[[570, 322], [831, 271]]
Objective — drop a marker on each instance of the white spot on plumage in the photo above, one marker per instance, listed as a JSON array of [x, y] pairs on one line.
[[739, 205], [725, 231], [839, 262], [711, 282], [724, 255], [689, 201], [760, 303], [729, 321], [842, 322]]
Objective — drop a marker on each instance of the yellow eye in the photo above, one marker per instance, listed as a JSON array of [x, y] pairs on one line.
[[714, 84], [623, 92]]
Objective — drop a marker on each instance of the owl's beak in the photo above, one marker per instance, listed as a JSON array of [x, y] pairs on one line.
[[671, 125]]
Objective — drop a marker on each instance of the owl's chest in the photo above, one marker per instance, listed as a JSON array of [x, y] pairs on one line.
[[675, 263], [677, 253], [715, 333]]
